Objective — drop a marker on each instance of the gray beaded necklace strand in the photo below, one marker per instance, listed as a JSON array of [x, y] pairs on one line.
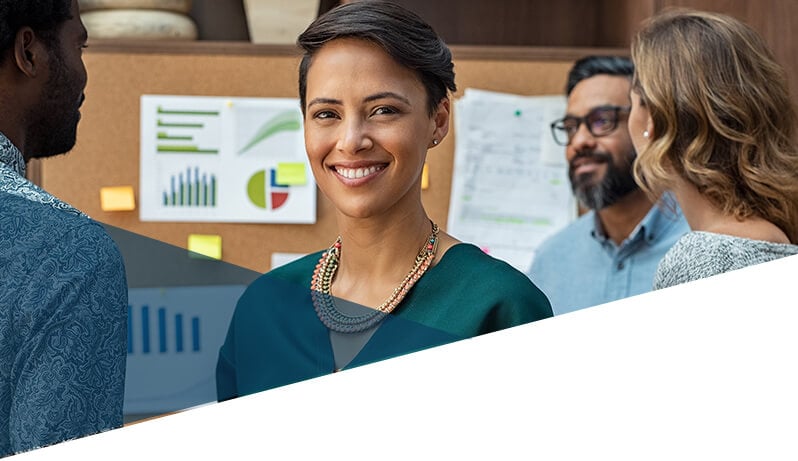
[[323, 300]]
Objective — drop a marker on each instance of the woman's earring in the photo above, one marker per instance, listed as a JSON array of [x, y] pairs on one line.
[[645, 134], [434, 142]]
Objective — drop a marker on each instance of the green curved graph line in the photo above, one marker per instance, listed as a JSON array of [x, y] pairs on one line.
[[284, 121]]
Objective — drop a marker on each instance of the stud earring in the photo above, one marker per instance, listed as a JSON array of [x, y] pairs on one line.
[[645, 134], [434, 142]]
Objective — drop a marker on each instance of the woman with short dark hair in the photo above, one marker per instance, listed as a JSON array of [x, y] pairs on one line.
[[374, 88]]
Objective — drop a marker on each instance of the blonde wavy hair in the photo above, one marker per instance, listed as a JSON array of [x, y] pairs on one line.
[[722, 116]]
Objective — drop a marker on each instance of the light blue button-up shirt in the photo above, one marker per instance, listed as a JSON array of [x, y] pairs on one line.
[[581, 267]]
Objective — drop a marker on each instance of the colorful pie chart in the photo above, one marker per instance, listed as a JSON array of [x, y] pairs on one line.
[[266, 194]]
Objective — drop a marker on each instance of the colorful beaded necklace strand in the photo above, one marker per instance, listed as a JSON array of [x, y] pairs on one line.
[[324, 303]]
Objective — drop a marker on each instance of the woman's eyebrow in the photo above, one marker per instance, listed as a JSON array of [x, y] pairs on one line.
[[333, 101], [386, 95]]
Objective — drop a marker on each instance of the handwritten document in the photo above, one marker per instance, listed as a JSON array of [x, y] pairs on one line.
[[510, 187]]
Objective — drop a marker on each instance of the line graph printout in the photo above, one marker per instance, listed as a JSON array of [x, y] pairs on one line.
[[510, 187], [218, 159]]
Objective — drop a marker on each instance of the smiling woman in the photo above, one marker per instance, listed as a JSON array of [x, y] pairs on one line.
[[374, 88]]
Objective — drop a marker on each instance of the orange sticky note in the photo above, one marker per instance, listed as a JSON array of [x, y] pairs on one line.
[[206, 245], [425, 177], [118, 198]]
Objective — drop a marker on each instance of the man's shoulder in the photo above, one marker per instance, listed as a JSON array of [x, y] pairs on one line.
[[20, 211], [34, 225]]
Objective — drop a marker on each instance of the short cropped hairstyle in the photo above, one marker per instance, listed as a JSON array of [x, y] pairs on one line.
[[590, 66], [43, 16], [722, 116], [401, 33]]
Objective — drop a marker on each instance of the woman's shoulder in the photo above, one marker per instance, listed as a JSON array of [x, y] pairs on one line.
[[472, 267], [291, 276], [700, 254], [472, 259], [710, 245], [297, 269], [504, 295]]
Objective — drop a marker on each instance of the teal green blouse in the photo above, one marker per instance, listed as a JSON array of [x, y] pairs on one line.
[[275, 337]]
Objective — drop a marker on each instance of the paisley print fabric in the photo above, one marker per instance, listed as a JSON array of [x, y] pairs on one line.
[[63, 314], [12, 179]]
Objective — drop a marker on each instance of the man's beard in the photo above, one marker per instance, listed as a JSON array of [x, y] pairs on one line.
[[57, 114], [617, 183]]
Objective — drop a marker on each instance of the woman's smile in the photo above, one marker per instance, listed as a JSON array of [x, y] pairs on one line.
[[365, 173]]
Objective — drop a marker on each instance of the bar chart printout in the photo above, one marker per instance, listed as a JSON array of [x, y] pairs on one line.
[[173, 340], [191, 188]]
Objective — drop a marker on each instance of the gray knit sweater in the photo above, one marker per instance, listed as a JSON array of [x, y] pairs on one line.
[[702, 254]]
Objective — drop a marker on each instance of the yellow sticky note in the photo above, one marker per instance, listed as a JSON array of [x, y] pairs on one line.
[[425, 177], [119, 198], [205, 244], [291, 174]]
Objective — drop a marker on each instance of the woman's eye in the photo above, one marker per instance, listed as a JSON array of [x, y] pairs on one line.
[[385, 110], [324, 114]]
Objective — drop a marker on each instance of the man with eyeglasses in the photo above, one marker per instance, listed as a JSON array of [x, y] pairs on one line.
[[612, 250]]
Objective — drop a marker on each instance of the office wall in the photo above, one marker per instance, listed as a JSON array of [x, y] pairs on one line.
[[107, 152]]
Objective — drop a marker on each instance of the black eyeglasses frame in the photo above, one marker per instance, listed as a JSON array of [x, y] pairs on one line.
[[558, 128]]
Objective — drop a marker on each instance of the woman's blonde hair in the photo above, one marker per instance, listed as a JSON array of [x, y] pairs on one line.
[[722, 116]]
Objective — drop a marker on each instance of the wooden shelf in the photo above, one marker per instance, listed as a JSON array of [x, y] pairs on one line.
[[237, 48]]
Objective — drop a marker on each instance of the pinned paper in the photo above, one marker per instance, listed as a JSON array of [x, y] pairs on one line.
[[119, 198], [291, 174], [205, 244], [425, 177]]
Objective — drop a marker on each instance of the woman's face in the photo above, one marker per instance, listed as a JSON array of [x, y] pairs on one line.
[[367, 128], [640, 126]]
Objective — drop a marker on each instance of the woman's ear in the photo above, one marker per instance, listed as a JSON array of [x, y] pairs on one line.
[[441, 121], [650, 127]]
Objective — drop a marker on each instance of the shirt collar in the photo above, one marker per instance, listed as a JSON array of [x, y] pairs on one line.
[[664, 214], [10, 156], [653, 225]]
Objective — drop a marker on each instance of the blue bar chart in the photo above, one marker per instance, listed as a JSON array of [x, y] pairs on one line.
[[146, 337], [191, 188], [173, 340]]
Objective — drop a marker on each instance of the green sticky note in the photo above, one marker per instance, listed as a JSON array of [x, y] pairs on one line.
[[291, 174], [209, 246]]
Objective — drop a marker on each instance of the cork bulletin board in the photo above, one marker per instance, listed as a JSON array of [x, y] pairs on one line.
[[107, 151]]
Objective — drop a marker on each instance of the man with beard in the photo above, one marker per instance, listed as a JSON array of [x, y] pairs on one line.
[[63, 292], [612, 250]]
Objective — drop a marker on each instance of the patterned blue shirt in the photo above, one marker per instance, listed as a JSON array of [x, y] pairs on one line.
[[63, 314], [581, 267]]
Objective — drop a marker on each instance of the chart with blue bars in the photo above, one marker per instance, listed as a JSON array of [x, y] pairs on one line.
[[186, 331], [191, 188], [173, 340]]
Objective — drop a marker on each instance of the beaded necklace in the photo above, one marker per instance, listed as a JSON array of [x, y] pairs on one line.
[[324, 303]]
